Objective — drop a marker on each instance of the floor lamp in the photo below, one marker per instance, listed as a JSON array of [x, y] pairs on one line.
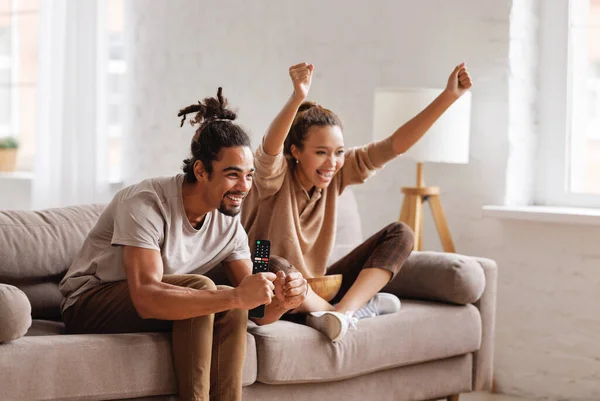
[[447, 141]]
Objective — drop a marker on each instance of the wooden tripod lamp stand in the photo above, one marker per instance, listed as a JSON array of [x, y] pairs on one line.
[[447, 141]]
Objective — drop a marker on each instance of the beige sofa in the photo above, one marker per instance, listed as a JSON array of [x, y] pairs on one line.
[[439, 345]]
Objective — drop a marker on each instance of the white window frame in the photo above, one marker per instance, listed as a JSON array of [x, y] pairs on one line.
[[556, 68]]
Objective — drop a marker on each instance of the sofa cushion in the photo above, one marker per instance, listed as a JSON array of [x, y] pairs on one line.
[[44, 296], [348, 230], [439, 276], [38, 248], [15, 313], [43, 244], [420, 332], [46, 328], [92, 367], [424, 381]]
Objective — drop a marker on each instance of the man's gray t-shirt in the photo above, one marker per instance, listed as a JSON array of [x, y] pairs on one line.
[[151, 215]]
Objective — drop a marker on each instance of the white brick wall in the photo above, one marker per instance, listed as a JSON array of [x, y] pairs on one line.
[[548, 314]]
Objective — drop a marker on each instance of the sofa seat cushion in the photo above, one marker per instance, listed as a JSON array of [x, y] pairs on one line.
[[92, 367], [15, 313], [46, 328], [422, 331]]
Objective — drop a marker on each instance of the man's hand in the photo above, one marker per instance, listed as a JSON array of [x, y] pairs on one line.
[[301, 75], [459, 81], [255, 289]]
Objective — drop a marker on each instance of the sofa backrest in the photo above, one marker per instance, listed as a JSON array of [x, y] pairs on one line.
[[37, 248], [348, 233]]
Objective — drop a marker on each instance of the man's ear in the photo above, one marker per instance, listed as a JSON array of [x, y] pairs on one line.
[[200, 172]]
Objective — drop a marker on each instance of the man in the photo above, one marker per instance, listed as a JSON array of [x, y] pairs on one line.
[[133, 273]]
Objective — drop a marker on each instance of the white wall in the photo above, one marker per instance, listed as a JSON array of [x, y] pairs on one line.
[[15, 190], [548, 313], [183, 50]]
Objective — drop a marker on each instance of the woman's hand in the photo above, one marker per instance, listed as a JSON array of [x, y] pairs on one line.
[[295, 290], [459, 81], [301, 75]]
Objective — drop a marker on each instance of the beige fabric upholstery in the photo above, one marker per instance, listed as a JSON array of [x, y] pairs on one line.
[[483, 361], [431, 380], [438, 276], [86, 367], [420, 332], [45, 298], [348, 230], [43, 244], [15, 313], [113, 366], [38, 248], [46, 328]]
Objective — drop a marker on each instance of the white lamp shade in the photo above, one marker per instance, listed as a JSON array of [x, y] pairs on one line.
[[447, 141]]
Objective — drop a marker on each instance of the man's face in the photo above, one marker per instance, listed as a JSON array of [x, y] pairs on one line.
[[231, 179]]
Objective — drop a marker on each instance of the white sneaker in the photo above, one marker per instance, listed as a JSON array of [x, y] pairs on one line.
[[381, 304], [333, 324]]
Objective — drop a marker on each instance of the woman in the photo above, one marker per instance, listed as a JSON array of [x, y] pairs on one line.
[[301, 170]]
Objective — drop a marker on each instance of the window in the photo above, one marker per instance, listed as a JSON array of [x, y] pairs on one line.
[[19, 21], [569, 103], [19, 46], [117, 68]]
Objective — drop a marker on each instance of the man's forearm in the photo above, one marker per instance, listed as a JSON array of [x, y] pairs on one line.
[[171, 302]]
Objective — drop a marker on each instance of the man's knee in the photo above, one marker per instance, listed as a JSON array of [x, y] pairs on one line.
[[224, 287], [277, 263], [194, 281], [239, 315]]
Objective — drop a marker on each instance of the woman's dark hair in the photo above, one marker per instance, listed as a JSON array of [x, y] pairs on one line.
[[309, 114], [216, 131]]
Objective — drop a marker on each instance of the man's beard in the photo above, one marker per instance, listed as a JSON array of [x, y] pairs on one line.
[[228, 211], [234, 211]]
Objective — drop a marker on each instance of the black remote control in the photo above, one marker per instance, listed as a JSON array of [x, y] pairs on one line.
[[260, 264]]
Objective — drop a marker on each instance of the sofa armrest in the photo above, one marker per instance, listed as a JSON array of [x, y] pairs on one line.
[[456, 279], [15, 313], [483, 360], [438, 276]]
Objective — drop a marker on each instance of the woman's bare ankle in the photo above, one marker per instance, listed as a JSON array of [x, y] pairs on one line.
[[313, 303]]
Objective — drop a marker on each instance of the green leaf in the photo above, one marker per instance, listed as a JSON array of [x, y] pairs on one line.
[[9, 142]]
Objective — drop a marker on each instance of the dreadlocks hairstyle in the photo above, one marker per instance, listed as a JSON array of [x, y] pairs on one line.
[[216, 131], [309, 114]]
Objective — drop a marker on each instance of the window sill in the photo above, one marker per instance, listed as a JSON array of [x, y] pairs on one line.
[[545, 214], [27, 175], [17, 175]]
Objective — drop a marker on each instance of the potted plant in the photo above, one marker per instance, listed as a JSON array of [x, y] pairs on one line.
[[8, 153]]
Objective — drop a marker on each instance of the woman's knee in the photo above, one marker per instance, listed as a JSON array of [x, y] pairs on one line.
[[401, 231]]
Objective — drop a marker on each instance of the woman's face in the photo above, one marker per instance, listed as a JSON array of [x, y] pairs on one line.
[[322, 156]]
